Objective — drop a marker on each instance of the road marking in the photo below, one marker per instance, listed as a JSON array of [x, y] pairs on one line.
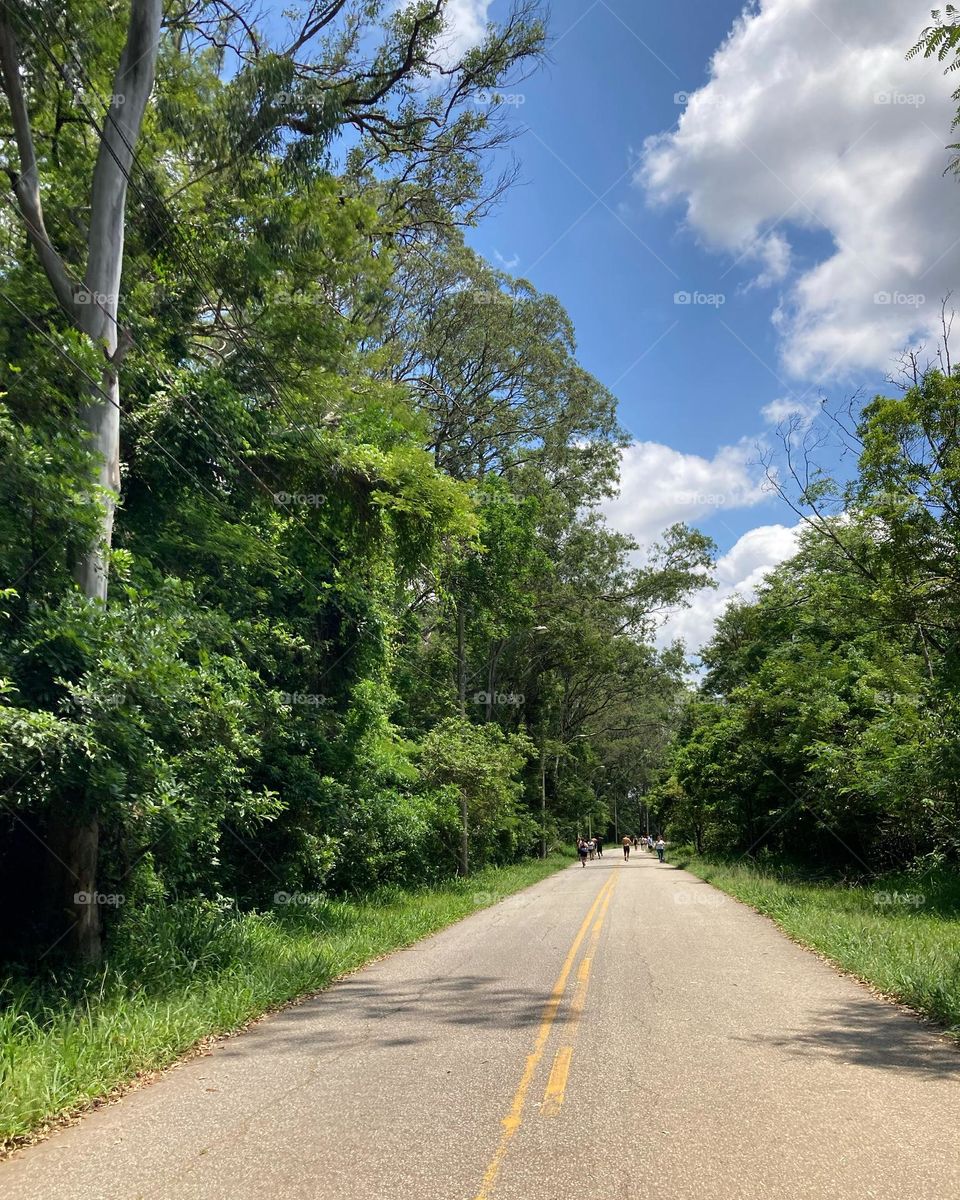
[[514, 1118], [580, 995], [556, 1091], [557, 1083]]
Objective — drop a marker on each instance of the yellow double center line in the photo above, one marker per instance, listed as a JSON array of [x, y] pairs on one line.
[[557, 1083], [514, 1118]]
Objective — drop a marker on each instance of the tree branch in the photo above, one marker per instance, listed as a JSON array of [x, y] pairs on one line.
[[26, 183]]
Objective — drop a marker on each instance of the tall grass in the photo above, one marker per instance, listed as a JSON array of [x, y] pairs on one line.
[[185, 972], [900, 933]]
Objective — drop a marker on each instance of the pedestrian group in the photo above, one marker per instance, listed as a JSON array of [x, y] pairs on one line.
[[591, 848]]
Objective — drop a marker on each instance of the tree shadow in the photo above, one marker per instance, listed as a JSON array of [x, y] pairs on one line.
[[867, 1033], [355, 1010]]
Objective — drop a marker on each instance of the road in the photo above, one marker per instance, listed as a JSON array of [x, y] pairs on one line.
[[622, 1030]]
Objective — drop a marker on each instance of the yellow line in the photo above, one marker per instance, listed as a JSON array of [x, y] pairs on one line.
[[556, 1091], [557, 1083], [586, 963], [514, 1118]]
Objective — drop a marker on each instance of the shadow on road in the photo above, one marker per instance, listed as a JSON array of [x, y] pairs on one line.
[[865, 1033], [407, 1015]]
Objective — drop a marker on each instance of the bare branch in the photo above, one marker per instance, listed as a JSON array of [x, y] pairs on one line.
[[317, 19]]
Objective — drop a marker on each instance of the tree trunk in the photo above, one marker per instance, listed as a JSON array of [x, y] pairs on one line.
[[97, 304], [492, 663], [72, 883], [101, 419], [463, 866]]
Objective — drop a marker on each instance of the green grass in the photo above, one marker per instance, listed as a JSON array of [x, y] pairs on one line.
[[198, 972], [900, 934]]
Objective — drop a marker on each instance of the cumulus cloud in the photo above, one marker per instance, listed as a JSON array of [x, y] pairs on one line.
[[813, 120], [660, 486], [466, 26], [739, 573]]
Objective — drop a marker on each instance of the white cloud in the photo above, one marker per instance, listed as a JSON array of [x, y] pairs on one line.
[[660, 485], [812, 119], [739, 573], [788, 411], [774, 254], [466, 27]]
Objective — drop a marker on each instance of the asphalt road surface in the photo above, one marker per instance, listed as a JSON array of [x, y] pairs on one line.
[[622, 1030]]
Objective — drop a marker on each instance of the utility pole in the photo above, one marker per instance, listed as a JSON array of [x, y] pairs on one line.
[[616, 822], [543, 797]]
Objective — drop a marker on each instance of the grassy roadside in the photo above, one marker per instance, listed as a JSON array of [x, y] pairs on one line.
[[72, 1041], [900, 934]]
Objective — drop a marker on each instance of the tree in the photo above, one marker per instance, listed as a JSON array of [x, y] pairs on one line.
[[92, 307], [366, 624], [818, 728]]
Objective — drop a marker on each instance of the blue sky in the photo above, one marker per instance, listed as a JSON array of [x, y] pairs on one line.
[[798, 176], [615, 263]]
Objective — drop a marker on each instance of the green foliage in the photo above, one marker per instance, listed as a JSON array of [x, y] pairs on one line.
[[358, 579], [942, 39], [827, 723], [479, 764]]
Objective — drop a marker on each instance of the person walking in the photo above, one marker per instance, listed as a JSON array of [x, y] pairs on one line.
[[626, 848], [591, 848], [660, 845], [636, 842], [649, 842], [598, 843], [582, 851]]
